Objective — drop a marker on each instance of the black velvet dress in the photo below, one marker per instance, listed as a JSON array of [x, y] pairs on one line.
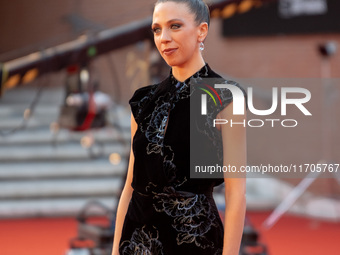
[[169, 212]]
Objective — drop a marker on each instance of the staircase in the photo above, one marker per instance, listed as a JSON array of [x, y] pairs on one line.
[[52, 174], [48, 174]]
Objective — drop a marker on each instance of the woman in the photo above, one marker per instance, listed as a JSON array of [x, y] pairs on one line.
[[162, 210]]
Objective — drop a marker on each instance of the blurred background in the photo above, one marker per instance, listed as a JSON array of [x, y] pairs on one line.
[[68, 69]]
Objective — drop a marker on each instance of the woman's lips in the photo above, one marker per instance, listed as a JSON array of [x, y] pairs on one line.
[[169, 51]]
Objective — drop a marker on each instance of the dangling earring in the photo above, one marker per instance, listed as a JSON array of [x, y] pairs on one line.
[[201, 46]]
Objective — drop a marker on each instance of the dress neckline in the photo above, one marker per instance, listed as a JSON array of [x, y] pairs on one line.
[[203, 72]]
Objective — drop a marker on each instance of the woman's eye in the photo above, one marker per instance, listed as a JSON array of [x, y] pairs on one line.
[[175, 26], [156, 30]]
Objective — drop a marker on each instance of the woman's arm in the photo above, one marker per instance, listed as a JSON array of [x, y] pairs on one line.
[[234, 154], [125, 196]]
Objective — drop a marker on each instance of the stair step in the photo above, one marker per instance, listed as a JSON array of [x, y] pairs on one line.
[[5, 111], [26, 94], [60, 188], [53, 170], [44, 120], [14, 122], [17, 109], [51, 207], [45, 136], [59, 152]]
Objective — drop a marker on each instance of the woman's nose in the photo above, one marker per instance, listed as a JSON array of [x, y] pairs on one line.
[[165, 36]]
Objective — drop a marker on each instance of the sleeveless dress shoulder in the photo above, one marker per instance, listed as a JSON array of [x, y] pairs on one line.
[[169, 212], [139, 98]]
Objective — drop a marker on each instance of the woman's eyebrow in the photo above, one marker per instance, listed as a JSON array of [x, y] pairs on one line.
[[169, 21], [174, 20]]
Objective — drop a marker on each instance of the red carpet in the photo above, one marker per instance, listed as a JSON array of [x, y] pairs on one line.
[[36, 236], [293, 235], [290, 236]]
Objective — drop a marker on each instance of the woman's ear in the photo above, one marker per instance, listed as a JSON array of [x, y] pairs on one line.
[[203, 31]]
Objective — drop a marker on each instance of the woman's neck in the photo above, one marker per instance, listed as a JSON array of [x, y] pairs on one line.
[[183, 73]]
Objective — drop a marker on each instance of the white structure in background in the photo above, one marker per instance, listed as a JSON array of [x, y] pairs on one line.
[[293, 8]]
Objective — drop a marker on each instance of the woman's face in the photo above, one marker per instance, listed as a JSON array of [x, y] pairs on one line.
[[176, 33]]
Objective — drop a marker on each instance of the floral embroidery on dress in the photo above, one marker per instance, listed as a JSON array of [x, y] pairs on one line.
[[218, 252], [143, 242], [206, 127], [192, 216], [154, 125], [142, 103]]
